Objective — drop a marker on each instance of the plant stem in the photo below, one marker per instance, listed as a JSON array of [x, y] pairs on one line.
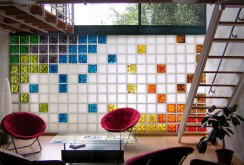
[[223, 143]]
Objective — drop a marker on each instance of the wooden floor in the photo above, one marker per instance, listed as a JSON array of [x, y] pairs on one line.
[[144, 144]]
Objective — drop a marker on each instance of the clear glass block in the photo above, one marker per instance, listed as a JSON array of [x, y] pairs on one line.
[[121, 98], [43, 98], [180, 49], [171, 98], [141, 79], [53, 98], [151, 108], [170, 49], [82, 98], [131, 78], [72, 88], [63, 108], [131, 59], [181, 98], [122, 59], [102, 88], [122, 79], [112, 69], [151, 78], [151, 98], [171, 78], [171, 59], [73, 108], [34, 98], [141, 88], [131, 98], [34, 78], [181, 78], [34, 108], [92, 98], [73, 98], [112, 78]]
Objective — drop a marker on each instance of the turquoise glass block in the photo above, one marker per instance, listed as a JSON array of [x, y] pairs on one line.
[[44, 39], [34, 88], [53, 68], [63, 88], [63, 39], [82, 39], [14, 39], [112, 59], [82, 59], [14, 49], [24, 39], [63, 59], [92, 68], [92, 48], [63, 78], [43, 107], [14, 59], [63, 117], [24, 49], [43, 68], [62, 48], [72, 39], [82, 48], [92, 108], [14, 69], [72, 49], [102, 39], [34, 39], [82, 78], [24, 98], [92, 39], [24, 68], [72, 59]]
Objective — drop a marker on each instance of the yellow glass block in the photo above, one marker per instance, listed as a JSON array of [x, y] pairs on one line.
[[180, 38], [111, 107], [161, 118], [14, 69], [171, 108], [190, 78], [141, 49], [143, 118], [24, 78], [161, 98], [171, 128], [24, 69], [24, 98], [152, 118], [43, 68], [171, 118], [34, 59], [34, 68], [151, 128], [24, 59], [161, 128], [181, 88], [180, 107], [179, 117], [199, 48], [133, 129], [141, 128], [14, 79], [131, 88], [131, 68], [151, 88], [14, 88], [161, 68]]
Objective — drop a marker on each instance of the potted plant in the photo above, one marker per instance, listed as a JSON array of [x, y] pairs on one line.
[[220, 120]]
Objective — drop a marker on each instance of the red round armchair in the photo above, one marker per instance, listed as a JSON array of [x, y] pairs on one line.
[[25, 126]]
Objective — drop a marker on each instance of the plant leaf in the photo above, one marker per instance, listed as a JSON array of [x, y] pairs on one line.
[[234, 108], [239, 117], [202, 146], [216, 113], [205, 123], [229, 130], [212, 108], [227, 111], [235, 121]]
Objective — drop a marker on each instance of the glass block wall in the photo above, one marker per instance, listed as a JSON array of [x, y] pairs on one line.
[[73, 81]]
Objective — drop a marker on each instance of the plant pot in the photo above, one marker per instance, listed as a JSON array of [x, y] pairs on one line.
[[224, 156]]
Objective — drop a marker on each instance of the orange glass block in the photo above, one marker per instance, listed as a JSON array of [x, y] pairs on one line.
[[143, 118], [161, 68], [193, 110], [199, 48], [171, 128], [180, 38], [152, 118], [171, 118], [180, 107], [151, 88], [201, 110], [161, 98], [131, 68], [171, 108], [201, 129], [191, 128], [179, 117], [200, 99], [189, 78], [181, 88], [131, 88], [151, 128], [111, 107], [203, 78], [161, 118], [191, 120], [161, 128], [198, 57], [141, 128], [141, 49]]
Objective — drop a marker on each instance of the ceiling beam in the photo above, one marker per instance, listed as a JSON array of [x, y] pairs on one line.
[[115, 1]]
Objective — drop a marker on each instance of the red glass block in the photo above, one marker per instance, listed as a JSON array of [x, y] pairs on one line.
[[171, 127], [199, 48], [201, 129], [199, 119], [161, 98], [161, 68], [191, 129], [151, 88], [171, 108], [161, 118], [171, 118], [180, 38], [178, 127], [180, 107], [192, 120]]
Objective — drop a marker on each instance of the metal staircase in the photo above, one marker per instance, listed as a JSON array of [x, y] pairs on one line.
[[197, 102]]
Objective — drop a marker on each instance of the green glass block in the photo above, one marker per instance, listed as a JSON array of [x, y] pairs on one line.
[[34, 68], [43, 68], [24, 78], [14, 69], [43, 107], [14, 79], [24, 59], [14, 59], [34, 39], [24, 39], [14, 49], [24, 49], [14, 39], [14, 88], [24, 98], [24, 68], [34, 59]]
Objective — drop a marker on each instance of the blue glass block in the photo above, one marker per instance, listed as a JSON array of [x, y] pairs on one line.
[[92, 68], [63, 88], [53, 68], [112, 59], [102, 39], [82, 48], [63, 78], [82, 59], [82, 78], [82, 39], [92, 48], [63, 117], [92, 108], [92, 39], [63, 59], [34, 88], [72, 49], [72, 59]]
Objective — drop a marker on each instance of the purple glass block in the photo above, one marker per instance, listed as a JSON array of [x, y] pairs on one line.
[[44, 39], [63, 59], [82, 78], [82, 39], [92, 108], [63, 78], [43, 59], [53, 48], [92, 39], [63, 39], [82, 48], [62, 48], [72, 59], [92, 48], [72, 39], [53, 68], [63, 118], [72, 49], [63, 88], [112, 59], [102, 39], [53, 59], [82, 59], [33, 48], [43, 49], [34, 88], [53, 39], [92, 68]]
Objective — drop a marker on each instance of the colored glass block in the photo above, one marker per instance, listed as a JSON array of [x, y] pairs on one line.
[[171, 128], [24, 39], [34, 68], [171, 108], [24, 78], [180, 107], [203, 78], [72, 59], [92, 108], [24, 49], [143, 118], [53, 48], [34, 88], [112, 59], [133, 129], [62, 48], [141, 49], [34, 39], [14, 69], [193, 110], [72, 49], [14, 59], [190, 78], [181, 88], [14, 39], [152, 118], [131, 68], [24, 97], [201, 129], [161, 68], [44, 39], [34, 49], [92, 39], [141, 128], [161, 118], [24, 59], [82, 78], [161, 98], [43, 49], [43, 107], [151, 88], [82, 58], [53, 59], [92, 68], [43, 58], [180, 38], [201, 98], [111, 107], [191, 128], [14, 88], [82, 48], [151, 128], [63, 78], [92, 48], [63, 59], [191, 120], [198, 48], [171, 118], [43, 68], [198, 57], [14, 79], [63, 117], [131, 88], [72, 39], [82, 39], [179, 117], [161, 128], [24, 68], [14, 49], [63, 88], [102, 39], [34, 59], [63, 39], [201, 110], [53, 39], [53, 68]]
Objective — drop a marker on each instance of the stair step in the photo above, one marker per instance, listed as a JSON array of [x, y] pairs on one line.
[[218, 85], [224, 72], [233, 6], [224, 23], [226, 57], [213, 97], [195, 133], [205, 107], [228, 40], [196, 116]]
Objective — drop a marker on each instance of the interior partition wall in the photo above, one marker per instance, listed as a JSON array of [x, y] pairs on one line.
[[72, 81]]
